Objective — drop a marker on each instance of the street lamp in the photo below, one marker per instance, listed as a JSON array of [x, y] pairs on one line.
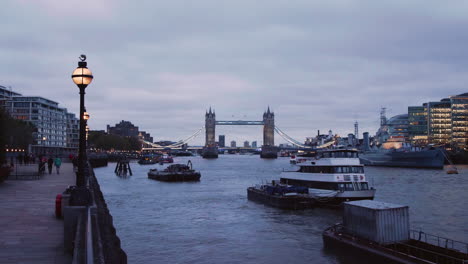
[[82, 77]]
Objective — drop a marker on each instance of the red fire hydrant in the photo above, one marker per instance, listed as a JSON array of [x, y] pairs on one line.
[[58, 206]]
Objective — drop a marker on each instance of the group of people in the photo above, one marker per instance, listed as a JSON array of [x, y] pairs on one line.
[[25, 158], [57, 161]]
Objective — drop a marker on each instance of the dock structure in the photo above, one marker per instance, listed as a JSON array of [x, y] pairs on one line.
[[122, 168]]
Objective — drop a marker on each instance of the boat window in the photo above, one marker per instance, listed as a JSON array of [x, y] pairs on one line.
[[347, 177], [349, 187], [341, 186], [338, 170], [364, 186]]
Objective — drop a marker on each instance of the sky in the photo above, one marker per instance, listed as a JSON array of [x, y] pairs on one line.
[[318, 65]]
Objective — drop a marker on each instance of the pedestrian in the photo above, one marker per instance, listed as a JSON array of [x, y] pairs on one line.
[[50, 162], [58, 163], [75, 164]]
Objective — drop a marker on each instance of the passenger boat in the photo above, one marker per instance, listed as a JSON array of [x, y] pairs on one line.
[[332, 176], [175, 172]]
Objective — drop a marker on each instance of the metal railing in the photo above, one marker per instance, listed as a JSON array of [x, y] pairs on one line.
[[26, 171], [439, 241]]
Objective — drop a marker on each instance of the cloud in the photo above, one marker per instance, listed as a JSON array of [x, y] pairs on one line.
[[161, 64]]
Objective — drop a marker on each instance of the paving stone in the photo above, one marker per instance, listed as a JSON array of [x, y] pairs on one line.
[[30, 232]]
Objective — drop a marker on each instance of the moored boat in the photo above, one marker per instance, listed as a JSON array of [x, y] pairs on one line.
[[381, 233], [175, 172], [332, 176], [281, 196], [148, 160], [396, 153]]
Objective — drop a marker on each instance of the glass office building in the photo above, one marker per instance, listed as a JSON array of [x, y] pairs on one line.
[[439, 123], [459, 120], [417, 125]]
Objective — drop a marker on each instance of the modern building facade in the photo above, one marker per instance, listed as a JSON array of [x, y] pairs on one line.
[[233, 144], [398, 126], [246, 144], [222, 141], [439, 122], [417, 125], [254, 144], [56, 130], [459, 109]]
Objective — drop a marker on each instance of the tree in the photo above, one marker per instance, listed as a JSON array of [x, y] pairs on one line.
[[14, 134], [101, 140]]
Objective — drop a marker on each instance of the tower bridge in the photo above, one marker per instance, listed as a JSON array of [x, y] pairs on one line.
[[268, 149], [210, 150]]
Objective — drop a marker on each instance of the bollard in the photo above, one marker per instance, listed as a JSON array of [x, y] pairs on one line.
[[58, 206]]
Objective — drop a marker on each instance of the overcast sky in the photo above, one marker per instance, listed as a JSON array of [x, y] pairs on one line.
[[319, 65]]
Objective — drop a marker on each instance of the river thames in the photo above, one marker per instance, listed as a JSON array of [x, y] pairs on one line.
[[212, 221]]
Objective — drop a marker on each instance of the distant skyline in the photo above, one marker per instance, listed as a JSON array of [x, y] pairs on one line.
[[160, 64]]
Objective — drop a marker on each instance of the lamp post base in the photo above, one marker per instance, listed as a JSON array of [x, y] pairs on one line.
[[80, 196]]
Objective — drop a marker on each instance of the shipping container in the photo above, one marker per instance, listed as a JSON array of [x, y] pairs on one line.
[[383, 223]]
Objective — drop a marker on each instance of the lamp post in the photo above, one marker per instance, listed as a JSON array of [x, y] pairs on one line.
[[82, 77]]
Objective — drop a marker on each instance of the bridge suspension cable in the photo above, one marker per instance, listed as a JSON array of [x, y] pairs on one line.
[[290, 139], [297, 143]]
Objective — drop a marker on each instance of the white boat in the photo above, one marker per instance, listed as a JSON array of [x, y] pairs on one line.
[[332, 176]]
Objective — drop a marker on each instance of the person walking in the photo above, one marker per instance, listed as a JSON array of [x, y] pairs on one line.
[[50, 162], [58, 163]]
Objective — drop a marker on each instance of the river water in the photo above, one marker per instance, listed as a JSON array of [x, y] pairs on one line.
[[212, 221]]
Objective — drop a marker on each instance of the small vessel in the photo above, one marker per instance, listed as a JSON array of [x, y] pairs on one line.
[[380, 232], [292, 159], [281, 196], [175, 172], [148, 160], [166, 159], [452, 170], [332, 176]]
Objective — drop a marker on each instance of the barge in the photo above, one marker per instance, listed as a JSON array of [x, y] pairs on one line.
[[283, 197], [175, 173], [382, 232]]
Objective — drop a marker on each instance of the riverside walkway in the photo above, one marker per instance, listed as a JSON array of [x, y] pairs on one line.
[[29, 231]]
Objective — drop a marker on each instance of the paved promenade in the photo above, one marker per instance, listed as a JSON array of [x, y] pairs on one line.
[[29, 231]]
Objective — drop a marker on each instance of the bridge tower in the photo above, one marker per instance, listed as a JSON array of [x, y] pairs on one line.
[[210, 150], [268, 149]]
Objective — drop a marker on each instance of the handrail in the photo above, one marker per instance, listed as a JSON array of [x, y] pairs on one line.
[[456, 245], [89, 239]]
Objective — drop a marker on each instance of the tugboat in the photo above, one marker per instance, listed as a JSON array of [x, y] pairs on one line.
[[332, 176], [175, 172], [281, 196]]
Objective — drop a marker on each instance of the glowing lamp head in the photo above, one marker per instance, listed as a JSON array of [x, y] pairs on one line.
[[82, 76]]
